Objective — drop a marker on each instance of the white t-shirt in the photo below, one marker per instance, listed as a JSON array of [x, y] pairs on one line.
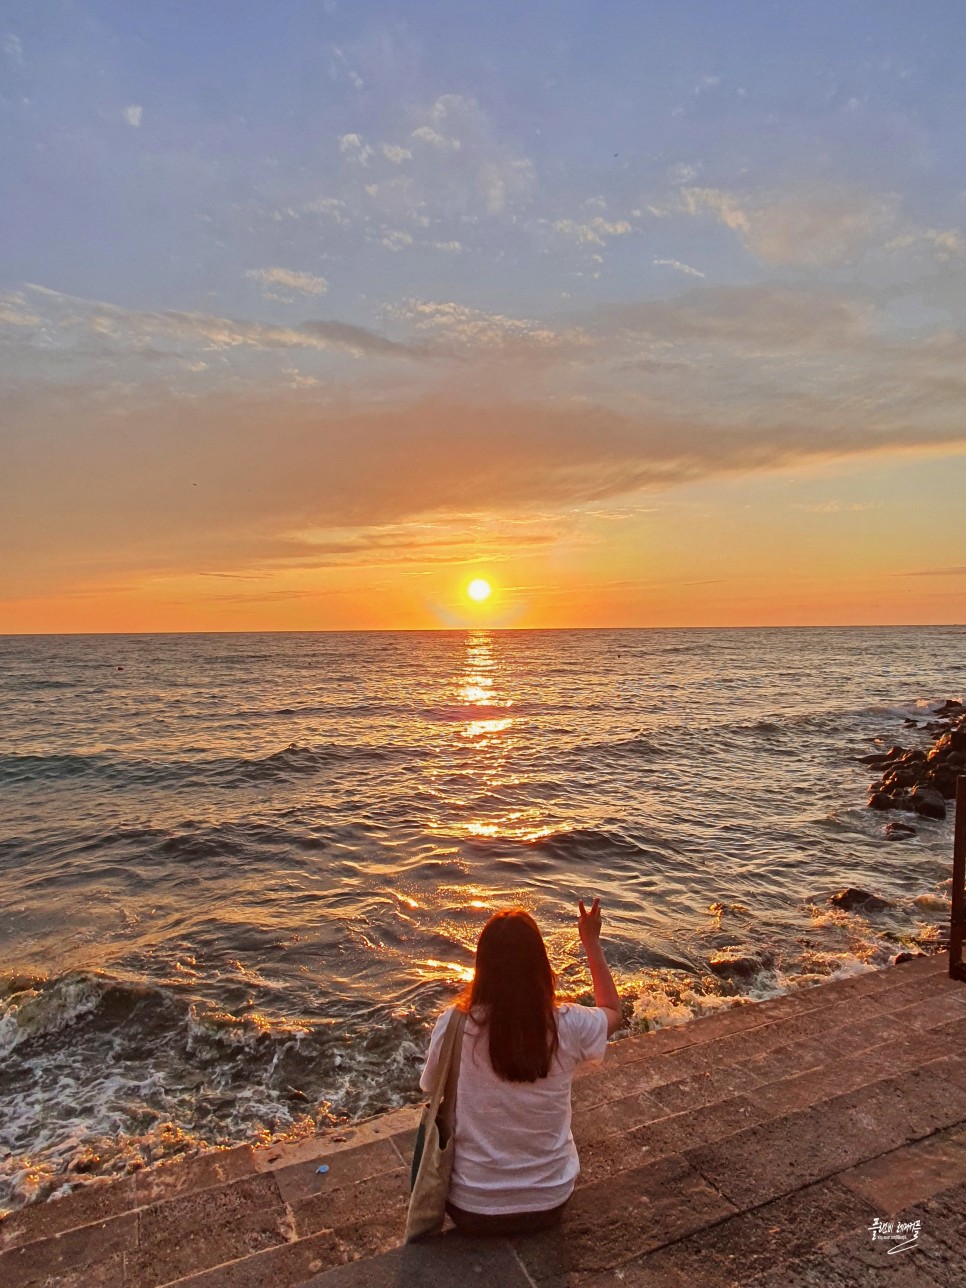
[[513, 1147]]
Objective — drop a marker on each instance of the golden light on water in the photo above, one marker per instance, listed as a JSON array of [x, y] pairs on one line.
[[446, 970], [479, 590]]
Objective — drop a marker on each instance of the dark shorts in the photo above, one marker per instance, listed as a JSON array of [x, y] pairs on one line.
[[507, 1224]]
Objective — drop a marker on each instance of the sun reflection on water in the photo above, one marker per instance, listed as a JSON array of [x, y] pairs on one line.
[[433, 969]]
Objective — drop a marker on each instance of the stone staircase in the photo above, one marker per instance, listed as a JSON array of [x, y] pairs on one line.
[[752, 1147]]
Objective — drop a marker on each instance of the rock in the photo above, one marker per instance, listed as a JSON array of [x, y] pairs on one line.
[[879, 800], [919, 781], [944, 781], [948, 708], [878, 759], [928, 802], [897, 831], [851, 898], [904, 776], [734, 964], [909, 723], [905, 957]]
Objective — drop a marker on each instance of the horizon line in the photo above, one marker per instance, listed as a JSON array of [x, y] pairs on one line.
[[503, 630]]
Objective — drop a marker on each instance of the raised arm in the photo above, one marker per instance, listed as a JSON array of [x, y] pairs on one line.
[[605, 990]]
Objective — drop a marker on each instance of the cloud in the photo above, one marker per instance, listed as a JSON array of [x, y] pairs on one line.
[[15, 312], [272, 279], [395, 154], [772, 316], [820, 227], [352, 147], [838, 507], [333, 207], [681, 268], [396, 239], [464, 166], [133, 115], [61, 318], [459, 327], [946, 243], [426, 134], [958, 570], [13, 48], [231, 479], [595, 231]]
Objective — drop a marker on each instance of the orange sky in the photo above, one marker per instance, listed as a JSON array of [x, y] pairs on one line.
[[306, 332]]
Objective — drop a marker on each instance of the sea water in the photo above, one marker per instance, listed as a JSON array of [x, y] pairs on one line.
[[241, 874]]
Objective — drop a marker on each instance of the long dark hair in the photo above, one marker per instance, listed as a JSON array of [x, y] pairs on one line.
[[512, 993]]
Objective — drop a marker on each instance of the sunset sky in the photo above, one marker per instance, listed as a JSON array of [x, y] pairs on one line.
[[648, 312]]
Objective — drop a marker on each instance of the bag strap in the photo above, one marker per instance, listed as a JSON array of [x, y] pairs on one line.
[[448, 1069], [447, 1113]]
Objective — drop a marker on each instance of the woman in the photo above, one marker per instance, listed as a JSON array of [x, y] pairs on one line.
[[515, 1162]]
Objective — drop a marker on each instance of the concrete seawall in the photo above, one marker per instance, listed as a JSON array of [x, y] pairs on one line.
[[763, 1145]]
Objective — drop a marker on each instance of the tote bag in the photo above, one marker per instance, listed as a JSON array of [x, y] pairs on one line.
[[433, 1152]]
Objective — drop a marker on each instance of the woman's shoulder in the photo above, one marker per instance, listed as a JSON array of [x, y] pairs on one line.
[[573, 1016], [444, 1017], [574, 1008]]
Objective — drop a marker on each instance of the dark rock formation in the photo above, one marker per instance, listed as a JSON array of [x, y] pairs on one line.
[[918, 781], [928, 802], [899, 831], [734, 963], [851, 899]]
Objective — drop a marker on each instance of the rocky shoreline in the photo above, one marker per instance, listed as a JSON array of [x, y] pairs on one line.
[[917, 781]]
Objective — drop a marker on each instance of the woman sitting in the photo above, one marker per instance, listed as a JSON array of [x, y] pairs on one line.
[[515, 1162]]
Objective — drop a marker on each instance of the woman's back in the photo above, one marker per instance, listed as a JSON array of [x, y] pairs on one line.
[[513, 1148], [514, 1159]]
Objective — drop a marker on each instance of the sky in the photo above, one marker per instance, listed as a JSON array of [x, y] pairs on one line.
[[649, 313]]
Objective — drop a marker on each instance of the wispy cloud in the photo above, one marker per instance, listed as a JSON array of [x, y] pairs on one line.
[[474, 330], [681, 268], [13, 48], [280, 283], [133, 115], [596, 231], [823, 226], [426, 134], [224, 492], [837, 507], [66, 316], [820, 226]]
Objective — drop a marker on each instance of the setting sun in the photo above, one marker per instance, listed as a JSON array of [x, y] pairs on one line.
[[479, 590]]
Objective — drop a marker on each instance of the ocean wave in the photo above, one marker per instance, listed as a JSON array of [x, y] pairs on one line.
[[573, 845], [223, 771], [635, 746], [39, 685], [477, 711], [110, 1074]]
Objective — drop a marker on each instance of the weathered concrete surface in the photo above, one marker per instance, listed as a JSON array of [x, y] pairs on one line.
[[756, 1147]]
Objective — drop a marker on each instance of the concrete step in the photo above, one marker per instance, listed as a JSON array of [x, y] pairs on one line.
[[777, 1077], [818, 1235], [737, 1035], [640, 1129], [182, 1219], [627, 1217]]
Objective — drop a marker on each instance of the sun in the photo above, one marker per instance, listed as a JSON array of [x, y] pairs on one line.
[[479, 590]]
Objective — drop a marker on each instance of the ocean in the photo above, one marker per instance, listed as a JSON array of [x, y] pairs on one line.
[[241, 874]]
